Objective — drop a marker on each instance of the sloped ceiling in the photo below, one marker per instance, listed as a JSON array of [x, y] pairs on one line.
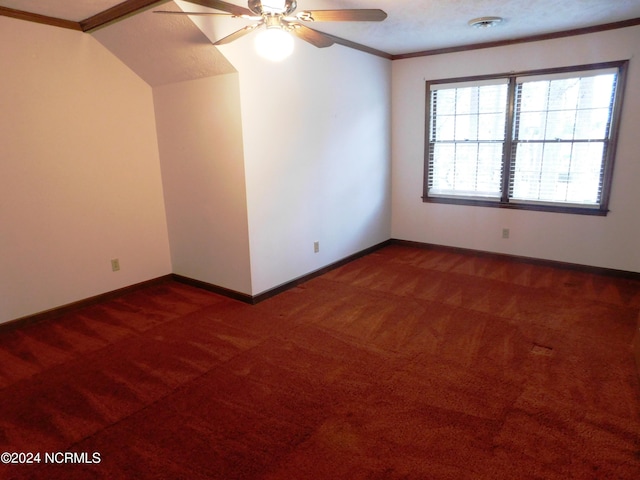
[[163, 49], [168, 48], [66, 9], [160, 49]]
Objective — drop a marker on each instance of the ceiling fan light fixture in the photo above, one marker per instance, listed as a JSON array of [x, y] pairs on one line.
[[266, 7], [485, 22], [274, 44]]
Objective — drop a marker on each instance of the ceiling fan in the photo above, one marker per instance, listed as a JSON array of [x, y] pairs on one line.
[[279, 16]]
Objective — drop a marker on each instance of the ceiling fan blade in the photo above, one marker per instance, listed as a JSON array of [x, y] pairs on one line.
[[314, 37], [167, 12], [224, 6], [237, 34], [349, 15], [354, 45]]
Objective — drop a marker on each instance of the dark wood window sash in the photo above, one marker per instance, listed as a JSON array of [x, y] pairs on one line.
[[504, 202]]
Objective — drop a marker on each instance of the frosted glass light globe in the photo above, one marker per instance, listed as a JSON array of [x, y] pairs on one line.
[[274, 44]]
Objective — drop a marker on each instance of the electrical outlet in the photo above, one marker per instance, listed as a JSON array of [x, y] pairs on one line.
[[316, 247], [505, 233], [115, 265]]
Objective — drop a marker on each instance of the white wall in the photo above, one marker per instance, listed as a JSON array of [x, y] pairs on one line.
[[316, 132], [79, 171], [200, 139], [611, 242]]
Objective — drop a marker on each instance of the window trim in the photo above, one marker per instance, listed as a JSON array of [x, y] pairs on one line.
[[504, 202]]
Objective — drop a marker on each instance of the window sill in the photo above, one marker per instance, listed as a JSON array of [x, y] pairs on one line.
[[571, 209]]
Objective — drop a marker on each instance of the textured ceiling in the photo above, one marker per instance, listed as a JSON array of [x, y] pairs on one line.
[[75, 10], [414, 25], [163, 48]]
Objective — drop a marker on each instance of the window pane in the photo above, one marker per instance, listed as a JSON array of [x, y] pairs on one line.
[[489, 177], [567, 120], [444, 128], [585, 176], [563, 94], [446, 102], [465, 121], [527, 172], [531, 126], [559, 125], [466, 127], [466, 100], [596, 91], [558, 172], [534, 97], [442, 172], [592, 124], [491, 126], [571, 108], [472, 113], [492, 100], [557, 143], [470, 169]]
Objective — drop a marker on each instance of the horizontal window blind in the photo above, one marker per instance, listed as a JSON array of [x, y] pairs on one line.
[[533, 77], [466, 137], [560, 138], [542, 139], [447, 85]]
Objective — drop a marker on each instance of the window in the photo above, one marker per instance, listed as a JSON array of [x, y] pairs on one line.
[[542, 140]]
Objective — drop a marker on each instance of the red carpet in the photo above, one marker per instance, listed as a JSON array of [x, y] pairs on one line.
[[404, 364]]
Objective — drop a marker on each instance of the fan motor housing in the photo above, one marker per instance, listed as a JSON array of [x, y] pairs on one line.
[[257, 7]]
